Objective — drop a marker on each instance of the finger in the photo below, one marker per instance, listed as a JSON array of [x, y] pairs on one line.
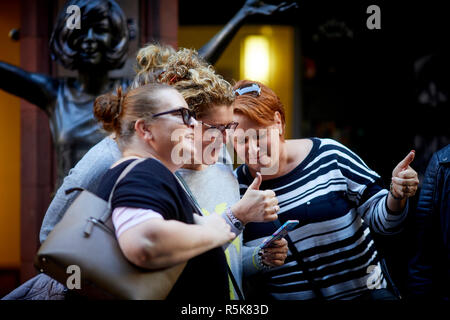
[[274, 256], [280, 243], [272, 202], [405, 182], [256, 182], [398, 193], [407, 174], [274, 249], [272, 210], [409, 194], [269, 194], [406, 161], [270, 217]]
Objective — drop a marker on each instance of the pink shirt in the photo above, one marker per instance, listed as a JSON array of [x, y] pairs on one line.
[[125, 217]]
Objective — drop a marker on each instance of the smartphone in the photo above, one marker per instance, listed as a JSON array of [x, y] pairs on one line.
[[280, 233]]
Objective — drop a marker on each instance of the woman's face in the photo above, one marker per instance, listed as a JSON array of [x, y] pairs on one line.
[[257, 145], [173, 141], [211, 139], [91, 42]]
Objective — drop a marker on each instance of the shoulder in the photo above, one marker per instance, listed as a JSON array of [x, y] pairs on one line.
[[152, 168], [148, 177], [241, 173], [443, 155], [94, 164], [341, 151]]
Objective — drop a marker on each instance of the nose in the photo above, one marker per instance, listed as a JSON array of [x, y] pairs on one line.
[[90, 34], [253, 148], [193, 122], [224, 137]]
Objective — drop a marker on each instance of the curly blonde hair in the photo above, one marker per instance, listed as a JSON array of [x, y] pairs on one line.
[[187, 72], [150, 62]]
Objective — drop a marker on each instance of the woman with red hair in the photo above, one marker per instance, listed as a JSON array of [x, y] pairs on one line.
[[331, 191]]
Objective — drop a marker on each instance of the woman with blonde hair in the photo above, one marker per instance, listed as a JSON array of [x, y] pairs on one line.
[[212, 181]]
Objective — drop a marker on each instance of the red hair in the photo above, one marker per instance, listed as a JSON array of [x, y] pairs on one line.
[[260, 109]]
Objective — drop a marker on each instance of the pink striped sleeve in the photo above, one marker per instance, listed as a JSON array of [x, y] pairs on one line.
[[125, 217]]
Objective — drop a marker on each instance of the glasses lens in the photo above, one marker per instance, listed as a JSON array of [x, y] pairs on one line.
[[185, 115]]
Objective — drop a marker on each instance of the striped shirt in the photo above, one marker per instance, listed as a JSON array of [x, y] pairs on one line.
[[335, 197]]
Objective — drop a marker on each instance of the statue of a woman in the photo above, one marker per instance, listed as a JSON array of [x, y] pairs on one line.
[[98, 47]]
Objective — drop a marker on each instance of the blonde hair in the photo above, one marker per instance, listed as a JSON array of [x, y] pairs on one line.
[[150, 62], [187, 72], [119, 111]]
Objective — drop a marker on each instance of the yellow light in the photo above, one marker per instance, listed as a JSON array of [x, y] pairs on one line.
[[256, 58]]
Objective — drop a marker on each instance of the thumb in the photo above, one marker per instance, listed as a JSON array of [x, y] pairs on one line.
[[405, 162], [257, 182]]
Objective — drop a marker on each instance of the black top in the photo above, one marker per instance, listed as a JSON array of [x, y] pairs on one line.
[[150, 185]]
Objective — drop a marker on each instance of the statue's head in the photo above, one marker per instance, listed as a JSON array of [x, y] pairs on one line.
[[101, 42]]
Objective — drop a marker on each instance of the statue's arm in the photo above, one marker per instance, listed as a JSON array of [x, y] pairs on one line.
[[39, 89], [212, 50]]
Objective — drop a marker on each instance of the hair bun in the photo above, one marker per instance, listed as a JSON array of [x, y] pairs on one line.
[[108, 108]]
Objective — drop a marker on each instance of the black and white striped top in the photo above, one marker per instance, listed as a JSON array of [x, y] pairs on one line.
[[336, 197]]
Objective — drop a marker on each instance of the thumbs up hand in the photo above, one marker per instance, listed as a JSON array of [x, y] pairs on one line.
[[256, 205], [404, 179]]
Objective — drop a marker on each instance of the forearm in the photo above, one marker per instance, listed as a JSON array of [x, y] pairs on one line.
[[163, 243], [376, 213], [33, 87], [212, 50]]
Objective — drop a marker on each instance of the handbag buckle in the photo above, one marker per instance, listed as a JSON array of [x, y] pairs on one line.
[[90, 225]]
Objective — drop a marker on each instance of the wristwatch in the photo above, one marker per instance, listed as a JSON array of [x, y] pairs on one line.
[[235, 221]]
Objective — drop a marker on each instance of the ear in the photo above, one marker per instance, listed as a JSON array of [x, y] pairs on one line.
[[278, 123], [142, 130]]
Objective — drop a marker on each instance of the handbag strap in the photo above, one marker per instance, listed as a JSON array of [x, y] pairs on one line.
[[127, 169], [297, 256], [197, 208]]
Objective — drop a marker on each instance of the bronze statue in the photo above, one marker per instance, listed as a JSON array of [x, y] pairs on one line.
[[98, 47]]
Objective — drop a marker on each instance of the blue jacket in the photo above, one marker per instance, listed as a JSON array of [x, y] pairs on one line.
[[429, 270]]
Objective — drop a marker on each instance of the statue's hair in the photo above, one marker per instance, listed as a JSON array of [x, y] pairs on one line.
[[187, 72], [91, 10]]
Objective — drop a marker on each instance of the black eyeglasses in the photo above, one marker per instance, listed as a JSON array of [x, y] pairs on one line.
[[186, 114], [221, 127], [252, 88]]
